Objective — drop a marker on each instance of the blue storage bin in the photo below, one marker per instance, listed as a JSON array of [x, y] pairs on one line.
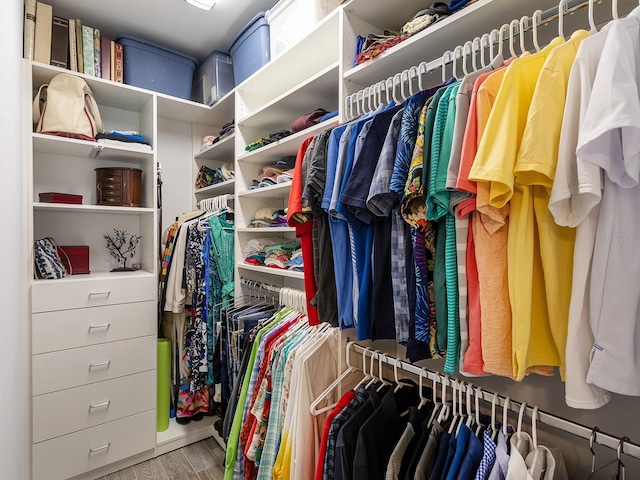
[[251, 48], [213, 78], [154, 67]]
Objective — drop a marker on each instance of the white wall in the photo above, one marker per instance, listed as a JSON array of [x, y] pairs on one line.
[[14, 366]]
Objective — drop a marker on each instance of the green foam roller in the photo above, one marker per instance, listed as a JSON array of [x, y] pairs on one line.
[[164, 384]]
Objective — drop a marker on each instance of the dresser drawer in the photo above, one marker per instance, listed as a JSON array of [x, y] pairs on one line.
[[67, 293], [80, 366], [76, 453], [80, 327], [75, 409]]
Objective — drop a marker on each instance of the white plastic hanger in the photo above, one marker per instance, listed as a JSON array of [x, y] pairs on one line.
[[470, 416], [388, 96], [444, 411], [537, 18], [524, 20], [505, 417], [445, 57], [504, 28], [413, 70], [494, 427], [423, 69], [497, 34], [512, 36], [397, 80], [485, 40], [455, 61], [561, 11], [469, 44], [592, 23], [436, 403], [367, 375], [475, 52], [479, 394], [383, 382], [423, 399], [454, 409], [614, 9], [523, 407], [405, 73]]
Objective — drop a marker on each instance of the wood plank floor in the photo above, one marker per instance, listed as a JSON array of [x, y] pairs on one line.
[[203, 460]]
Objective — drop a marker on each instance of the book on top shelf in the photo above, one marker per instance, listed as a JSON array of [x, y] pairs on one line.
[[119, 61], [60, 42], [44, 24], [73, 52], [105, 57], [88, 52], [79, 46], [113, 61], [97, 55], [29, 28]]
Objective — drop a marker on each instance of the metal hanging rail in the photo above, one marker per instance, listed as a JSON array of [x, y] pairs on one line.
[[601, 438]]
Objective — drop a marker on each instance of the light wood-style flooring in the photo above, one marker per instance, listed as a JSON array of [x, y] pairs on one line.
[[203, 460]]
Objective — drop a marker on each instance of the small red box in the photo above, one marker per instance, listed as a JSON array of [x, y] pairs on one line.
[[77, 256], [56, 197]]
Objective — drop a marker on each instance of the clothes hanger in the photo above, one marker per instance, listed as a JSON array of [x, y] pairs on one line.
[[592, 24], [420, 73], [444, 57], [387, 95], [454, 410], [455, 61], [537, 18], [436, 403], [367, 375], [621, 475], [476, 53], [513, 26], [484, 38], [443, 416], [324, 395], [383, 382], [399, 382], [614, 9], [464, 56], [374, 379], [470, 415], [479, 394], [396, 80], [402, 82], [592, 440], [505, 417], [561, 12], [524, 20], [410, 80], [494, 427], [497, 33], [604, 472], [504, 28], [423, 400]]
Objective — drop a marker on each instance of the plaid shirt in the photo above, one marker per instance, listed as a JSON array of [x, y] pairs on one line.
[[488, 458], [336, 424]]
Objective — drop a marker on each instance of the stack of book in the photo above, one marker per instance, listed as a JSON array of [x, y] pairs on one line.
[[68, 43]]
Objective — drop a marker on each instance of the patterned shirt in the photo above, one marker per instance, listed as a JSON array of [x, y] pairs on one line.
[[488, 458]]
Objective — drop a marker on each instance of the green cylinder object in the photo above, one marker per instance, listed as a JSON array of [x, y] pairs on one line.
[[164, 384]]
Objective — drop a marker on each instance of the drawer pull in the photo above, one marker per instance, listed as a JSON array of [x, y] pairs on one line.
[[98, 405], [96, 294], [103, 447], [104, 325], [100, 364]]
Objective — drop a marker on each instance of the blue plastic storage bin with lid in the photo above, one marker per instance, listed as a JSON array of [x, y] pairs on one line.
[[154, 67], [213, 78], [251, 48]]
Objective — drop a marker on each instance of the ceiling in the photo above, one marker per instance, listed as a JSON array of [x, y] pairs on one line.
[[170, 23]]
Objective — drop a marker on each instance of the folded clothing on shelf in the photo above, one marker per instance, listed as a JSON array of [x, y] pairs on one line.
[[227, 129], [270, 252], [269, 217], [295, 262], [129, 137], [308, 120], [273, 137], [211, 176], [281, 172]]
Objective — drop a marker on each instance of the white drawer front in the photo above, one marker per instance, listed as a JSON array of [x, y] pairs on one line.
[[71, 455], [48, 295], [80, 327], [80, 366], [74, 409]]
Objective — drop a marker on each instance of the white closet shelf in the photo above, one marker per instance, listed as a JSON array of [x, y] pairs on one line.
[[106, 92], [182, 110], [219, 188], [287, 146], [98, 275], [222, 150], [266, 230], [465, 24], [71, 147], [64, 207], [318, 91], [278, 190], [279, 272], [300, 62]]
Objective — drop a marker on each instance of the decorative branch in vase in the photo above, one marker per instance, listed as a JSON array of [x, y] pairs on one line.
[[122, 250]]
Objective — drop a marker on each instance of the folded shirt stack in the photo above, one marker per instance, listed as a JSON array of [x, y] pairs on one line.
[[273, 137], [227, 129], [295, 262], [271, 252], [131, 138], [269, 217]]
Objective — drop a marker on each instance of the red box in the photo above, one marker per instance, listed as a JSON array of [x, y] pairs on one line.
[[77, 256], [56, 197]]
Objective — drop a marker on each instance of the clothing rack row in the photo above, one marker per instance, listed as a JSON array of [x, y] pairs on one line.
[[370, 97], [288, 297], [595, 435]]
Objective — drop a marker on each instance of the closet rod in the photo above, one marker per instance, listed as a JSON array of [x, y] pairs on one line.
[[260, 285], [629, 448], [459, 52]]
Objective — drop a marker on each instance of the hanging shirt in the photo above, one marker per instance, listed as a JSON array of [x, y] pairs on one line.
[[609, 138], [534, 171]]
